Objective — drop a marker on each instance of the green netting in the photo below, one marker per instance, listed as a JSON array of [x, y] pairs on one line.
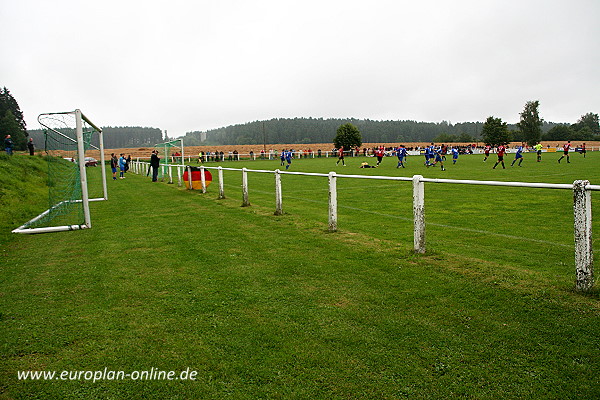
[[170, 153], [64, 182]]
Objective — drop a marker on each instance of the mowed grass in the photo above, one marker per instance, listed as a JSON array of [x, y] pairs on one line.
[[265, 306]]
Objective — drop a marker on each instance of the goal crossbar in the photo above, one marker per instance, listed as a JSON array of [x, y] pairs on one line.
[[85, 200]]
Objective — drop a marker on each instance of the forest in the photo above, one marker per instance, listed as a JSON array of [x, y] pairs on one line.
[[319, 130], [116, 137]]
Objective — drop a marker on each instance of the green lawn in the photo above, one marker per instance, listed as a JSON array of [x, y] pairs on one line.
[[265, 306]]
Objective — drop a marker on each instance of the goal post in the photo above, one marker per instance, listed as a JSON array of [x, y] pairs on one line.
[[70, 140], [171, 153]]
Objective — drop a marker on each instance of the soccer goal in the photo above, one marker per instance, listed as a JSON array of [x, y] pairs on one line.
[[170, 153], [71, 140]]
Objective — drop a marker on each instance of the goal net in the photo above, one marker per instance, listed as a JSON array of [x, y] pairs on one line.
[[170, 153], [73, 147]]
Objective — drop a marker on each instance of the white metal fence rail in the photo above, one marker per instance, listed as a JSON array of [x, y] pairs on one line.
[[582, 204]]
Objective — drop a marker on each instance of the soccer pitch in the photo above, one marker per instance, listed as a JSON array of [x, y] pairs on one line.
[[264, 306], [525, 226]]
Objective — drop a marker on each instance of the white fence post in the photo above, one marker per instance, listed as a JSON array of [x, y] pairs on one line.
[[419, 214], [170, 174], [278, 198], [203, 179], [221, 188], [584, 257], [178, 176], [332, 202], [191, 185], [245, 202]]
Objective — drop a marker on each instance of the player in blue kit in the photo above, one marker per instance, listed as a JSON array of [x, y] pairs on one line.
[[518, 156], [401, 154], [288, 158], [454, 155], [438, 158], [428, 155]]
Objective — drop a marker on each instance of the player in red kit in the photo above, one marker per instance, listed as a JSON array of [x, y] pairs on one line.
[[501, 150], [341, 156], [566, 148], [486, 151]]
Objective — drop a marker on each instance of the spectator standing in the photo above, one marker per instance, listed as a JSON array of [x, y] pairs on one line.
[[154, 164], [113, 165], [122, 164], [8, 145], [31, 149]]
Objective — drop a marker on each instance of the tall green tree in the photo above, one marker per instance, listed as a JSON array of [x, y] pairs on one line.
[[348, 136], [8, 103], [559, 133], [465, 138], [589, 120], [11, 120], [530, 124], [495, 132], [10, 126], [445, 138]]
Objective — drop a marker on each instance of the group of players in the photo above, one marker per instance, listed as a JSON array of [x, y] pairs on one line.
[[437, 154], [501, 150], [433, 156]]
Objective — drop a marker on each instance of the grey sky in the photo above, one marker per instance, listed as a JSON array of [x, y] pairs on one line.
[[197, 65]]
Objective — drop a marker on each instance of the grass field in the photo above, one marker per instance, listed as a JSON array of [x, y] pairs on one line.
[[264, 306]]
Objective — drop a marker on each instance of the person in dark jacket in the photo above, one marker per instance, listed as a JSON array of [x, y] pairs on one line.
[[30, 146], [114, 162], [8, 145], [154, 163]]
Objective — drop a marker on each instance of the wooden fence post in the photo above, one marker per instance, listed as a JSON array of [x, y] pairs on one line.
[[278, 197], [245, 202], [419, 214], [584, 257], [221, 185], [332, 202]]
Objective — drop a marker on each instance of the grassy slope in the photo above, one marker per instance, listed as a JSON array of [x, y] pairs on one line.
[[276, 307], [23, 191]]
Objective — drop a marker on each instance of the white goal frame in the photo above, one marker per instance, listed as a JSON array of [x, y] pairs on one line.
[[79, 118]]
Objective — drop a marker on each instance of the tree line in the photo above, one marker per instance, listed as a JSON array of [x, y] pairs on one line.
[[12, 123], [116, 137], [11, 120], [531, 129], [319, 130]]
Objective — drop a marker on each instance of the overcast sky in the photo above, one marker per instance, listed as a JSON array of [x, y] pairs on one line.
[[197, 65]]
